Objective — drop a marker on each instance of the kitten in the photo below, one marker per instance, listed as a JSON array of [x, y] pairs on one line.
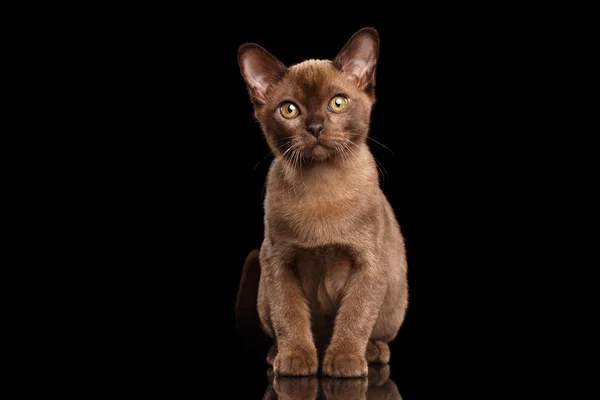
[[330, 279]]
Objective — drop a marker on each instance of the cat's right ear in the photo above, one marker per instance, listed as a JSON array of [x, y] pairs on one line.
[[259, 70]]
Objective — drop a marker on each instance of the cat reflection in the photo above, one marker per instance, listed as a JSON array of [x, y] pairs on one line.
[[378, 386]]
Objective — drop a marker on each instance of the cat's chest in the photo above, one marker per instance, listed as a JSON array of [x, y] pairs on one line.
[[315, 220], [320, 206], [323, 273]]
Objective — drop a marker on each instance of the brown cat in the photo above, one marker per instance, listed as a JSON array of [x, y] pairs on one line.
[[331, 273]]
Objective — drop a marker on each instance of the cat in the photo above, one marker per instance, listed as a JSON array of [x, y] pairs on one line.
[[329, 283]]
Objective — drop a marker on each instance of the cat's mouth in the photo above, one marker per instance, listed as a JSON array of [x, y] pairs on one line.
[[320, 151]]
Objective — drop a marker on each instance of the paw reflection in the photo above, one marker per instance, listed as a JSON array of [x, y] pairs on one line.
[[377, 386], [345, 389]]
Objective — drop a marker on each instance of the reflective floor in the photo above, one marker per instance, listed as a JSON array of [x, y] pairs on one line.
[[377, 385], [251, 375]]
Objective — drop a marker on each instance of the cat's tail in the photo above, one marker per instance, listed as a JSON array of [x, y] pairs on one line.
[[246, 311]]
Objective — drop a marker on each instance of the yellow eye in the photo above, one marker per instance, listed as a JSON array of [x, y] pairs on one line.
[[338, 104], [289, 110]]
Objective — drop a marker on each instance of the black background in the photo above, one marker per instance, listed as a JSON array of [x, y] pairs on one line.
[[180, 185]]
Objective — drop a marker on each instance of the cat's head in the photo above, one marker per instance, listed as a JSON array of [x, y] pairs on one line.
[[318, 109]]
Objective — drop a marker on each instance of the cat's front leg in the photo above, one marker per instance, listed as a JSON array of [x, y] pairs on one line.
[[360, 304], [290, 316]]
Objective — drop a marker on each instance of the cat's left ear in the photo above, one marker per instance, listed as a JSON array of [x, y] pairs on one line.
[[359, 58]]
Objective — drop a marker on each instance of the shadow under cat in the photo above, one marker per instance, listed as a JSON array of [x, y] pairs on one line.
[[377, 386]]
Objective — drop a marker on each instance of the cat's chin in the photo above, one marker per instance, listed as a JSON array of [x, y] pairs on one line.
[[319, 153]]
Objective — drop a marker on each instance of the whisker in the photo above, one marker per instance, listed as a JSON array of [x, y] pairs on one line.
[[264, 188], [383, 175], [338, 149], [348, 141], [294, 155], [284, 140], [263, 159], [345, 151], [297, 157], [300, 167], [348, 152], [297, 166], [381, 144], [291, 148], [350, 148], [378, 164]]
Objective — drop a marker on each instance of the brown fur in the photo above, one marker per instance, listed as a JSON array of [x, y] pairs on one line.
[[333, 282]]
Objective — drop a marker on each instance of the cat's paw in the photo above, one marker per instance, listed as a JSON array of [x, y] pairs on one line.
[[344, 365], [377, 352], [289, 388], [296, 363], [345, 389]]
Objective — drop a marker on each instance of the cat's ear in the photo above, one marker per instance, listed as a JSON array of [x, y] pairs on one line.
[[259, 70], [359, 57]]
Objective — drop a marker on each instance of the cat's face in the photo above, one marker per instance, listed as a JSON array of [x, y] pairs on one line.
[[318, 109]]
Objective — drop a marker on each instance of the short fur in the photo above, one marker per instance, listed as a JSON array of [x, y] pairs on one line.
[[333, 272]]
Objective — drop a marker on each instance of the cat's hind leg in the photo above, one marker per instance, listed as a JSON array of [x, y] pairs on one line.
[[377, 352], [272, 353]]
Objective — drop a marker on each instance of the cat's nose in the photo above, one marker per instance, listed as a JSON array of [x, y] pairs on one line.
[[315, 129]]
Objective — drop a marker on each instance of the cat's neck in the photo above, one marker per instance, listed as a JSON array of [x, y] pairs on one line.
[[356, 170]]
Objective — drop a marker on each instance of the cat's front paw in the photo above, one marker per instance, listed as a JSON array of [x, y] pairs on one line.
[[344, 365], [296, 363]]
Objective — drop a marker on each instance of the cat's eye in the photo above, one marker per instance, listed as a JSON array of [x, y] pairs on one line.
[[289, 110], [338, 104]]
